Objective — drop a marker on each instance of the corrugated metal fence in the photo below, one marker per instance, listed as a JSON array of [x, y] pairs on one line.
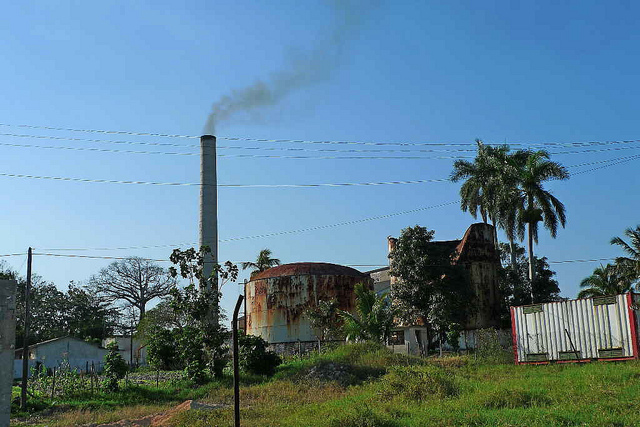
[[582, 329]]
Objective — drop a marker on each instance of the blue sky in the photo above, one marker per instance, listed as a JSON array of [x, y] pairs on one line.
[[406, 72]]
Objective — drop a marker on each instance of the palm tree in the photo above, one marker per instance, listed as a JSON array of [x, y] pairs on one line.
[[510, 201], [630, 265], [491, 188], [476, 192], [373, 318], [540, 204], [263, 262], [606, 280]]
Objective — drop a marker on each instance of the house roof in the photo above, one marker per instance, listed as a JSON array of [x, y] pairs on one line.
[[57, 339]]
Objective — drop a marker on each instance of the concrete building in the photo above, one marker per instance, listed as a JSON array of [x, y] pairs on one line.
[[477, 254], [52, 353]]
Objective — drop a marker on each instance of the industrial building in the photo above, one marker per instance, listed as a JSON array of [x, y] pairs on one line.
[[277, 298], [476, 253]]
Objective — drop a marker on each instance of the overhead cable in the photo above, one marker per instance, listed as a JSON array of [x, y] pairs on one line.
[[617, 161], [278, 233], [568, 261], [302, 141], [114, 132]]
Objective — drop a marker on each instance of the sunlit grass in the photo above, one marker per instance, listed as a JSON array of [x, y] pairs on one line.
[[392, 390]]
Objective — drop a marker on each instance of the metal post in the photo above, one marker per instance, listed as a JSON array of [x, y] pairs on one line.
[[131, 343], [236, 369], [25, 343]]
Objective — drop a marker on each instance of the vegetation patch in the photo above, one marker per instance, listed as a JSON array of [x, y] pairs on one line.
[[419, 383], [513, 398]]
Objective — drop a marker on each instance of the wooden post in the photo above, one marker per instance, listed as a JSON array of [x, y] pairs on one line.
[[25, 343], [157, 377], [53, 386], [236, 369]]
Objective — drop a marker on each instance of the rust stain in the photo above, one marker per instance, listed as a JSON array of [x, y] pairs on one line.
[[277, 303]]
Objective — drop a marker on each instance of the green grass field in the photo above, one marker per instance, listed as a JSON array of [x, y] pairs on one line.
[[377, 388]]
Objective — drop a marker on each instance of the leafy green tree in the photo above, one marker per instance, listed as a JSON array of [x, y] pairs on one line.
[[629, 266], [115, 368], [87, 316], [162, 351], [605, 280], [373, 317], [429, 287], [254, 358], [262, 263], [515, 286], [201, 343], [325, 319]]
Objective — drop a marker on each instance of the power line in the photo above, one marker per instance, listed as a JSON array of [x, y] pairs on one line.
[[278, 233], [316, 227], [114, 132], [18, 254], [569, 261], [95, 257], [617, 161], [105, 181], [302, 141], [238, 147], [299, 157]]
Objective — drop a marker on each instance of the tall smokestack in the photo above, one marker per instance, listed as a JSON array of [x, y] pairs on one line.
[[208, 201]]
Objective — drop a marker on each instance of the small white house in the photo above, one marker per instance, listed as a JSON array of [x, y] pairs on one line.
[[50, 354]]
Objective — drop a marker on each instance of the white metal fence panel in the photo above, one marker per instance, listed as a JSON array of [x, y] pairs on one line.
[[593, 328]]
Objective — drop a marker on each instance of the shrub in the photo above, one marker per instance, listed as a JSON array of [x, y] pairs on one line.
[[115, 368], [489, 349], [162, 349], [254, 356], [419, 383]]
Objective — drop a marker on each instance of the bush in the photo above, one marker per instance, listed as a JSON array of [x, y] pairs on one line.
[[254, 356], [419, 383], [489, 349], [115, 368], [162, 350]]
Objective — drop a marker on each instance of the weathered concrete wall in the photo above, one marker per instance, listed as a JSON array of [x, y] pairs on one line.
[[7, 346], [478, 255]]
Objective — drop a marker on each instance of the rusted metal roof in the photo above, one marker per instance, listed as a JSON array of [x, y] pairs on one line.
[[308, 268]]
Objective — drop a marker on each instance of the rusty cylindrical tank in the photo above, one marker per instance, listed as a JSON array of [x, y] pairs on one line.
[[278, 298]]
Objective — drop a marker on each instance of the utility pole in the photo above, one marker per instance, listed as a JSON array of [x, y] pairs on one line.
[[236, 369], [25, 343]]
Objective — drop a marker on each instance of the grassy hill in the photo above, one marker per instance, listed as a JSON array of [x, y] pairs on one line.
[[366, 385]]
